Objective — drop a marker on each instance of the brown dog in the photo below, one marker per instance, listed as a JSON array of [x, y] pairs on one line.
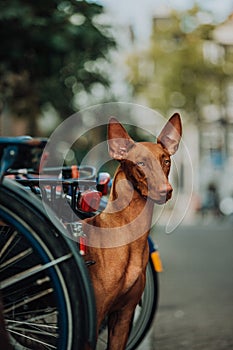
[[118, 236]]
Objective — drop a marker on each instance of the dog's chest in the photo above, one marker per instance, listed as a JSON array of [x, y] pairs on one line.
[[118, 274], [133, 276]]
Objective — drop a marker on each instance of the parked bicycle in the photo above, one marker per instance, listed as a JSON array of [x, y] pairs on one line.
[[56, 265], [47, 296]]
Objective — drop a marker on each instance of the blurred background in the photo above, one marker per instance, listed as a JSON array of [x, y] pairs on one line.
[[58, 57]]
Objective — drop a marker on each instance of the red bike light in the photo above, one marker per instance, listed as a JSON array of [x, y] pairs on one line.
[[89, 200], [103, 181]]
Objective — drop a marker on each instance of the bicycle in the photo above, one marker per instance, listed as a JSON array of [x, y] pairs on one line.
[[75, 190], [47, 296]]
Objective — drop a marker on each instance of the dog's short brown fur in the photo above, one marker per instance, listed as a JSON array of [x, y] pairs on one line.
[[141, 180]]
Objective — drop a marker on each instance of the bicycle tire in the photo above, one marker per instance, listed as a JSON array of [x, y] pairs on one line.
[[47, 295], [145, 312], [143, 315]]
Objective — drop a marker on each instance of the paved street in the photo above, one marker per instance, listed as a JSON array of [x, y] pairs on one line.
[[196, 289]]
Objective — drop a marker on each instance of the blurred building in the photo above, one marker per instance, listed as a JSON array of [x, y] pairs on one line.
[[216, 129], [210, 140]]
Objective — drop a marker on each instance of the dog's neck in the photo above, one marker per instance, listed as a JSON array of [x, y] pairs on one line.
[[127, 203], [122, 194], [126, 218]]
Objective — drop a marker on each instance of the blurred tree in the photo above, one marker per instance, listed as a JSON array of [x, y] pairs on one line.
[[182, 68], [50, 50]]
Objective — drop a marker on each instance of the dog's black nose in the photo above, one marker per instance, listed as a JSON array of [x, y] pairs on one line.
[[165, 190]]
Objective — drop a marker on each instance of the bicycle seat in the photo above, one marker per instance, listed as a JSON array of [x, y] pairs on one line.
[[14, 140], [23, 140], [20, 152]]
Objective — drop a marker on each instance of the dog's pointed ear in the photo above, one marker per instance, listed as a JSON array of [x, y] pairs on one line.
[[171, 134], [119, 141]]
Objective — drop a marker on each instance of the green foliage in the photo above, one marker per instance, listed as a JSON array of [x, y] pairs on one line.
[[174, 72], [49, 51]]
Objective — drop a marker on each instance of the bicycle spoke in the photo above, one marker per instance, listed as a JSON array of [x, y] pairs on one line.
[[28, 300], [32, 331], [38, 330], [35, 340], [16, 258], [30, 272], [12, 323], [8, 243]]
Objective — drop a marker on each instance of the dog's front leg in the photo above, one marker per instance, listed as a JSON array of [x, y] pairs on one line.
[[119, 326]]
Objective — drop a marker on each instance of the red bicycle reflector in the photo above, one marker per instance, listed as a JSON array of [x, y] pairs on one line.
[[103, 181], [89, 200], [83, 245]]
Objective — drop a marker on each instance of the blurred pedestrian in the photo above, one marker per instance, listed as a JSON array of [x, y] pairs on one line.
[[211, 201]]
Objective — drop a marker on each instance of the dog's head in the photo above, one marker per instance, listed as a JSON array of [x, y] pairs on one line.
[[146, 164]]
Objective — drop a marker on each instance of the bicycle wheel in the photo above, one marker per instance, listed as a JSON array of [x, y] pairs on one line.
[[145, 311], [143, 315], [47, 296]]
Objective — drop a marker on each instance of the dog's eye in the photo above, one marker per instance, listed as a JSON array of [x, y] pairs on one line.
[[167, 162], [141, 163]]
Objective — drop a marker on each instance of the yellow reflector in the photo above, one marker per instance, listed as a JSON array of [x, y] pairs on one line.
[[157, 262]]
